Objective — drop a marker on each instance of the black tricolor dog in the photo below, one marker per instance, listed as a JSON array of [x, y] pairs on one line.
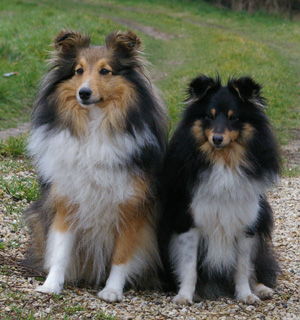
[[217, 223]]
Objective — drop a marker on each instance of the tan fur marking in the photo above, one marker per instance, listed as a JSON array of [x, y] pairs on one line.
[[116, 92], [230, 113], [233, 152], [63, 211], [82, 64], [128, 239], [213, 112], [232, 155], [247, 133], [135, 219], [238, 91], [232, 134], [103, 64], [197, 132], [228, 136], [69, 111], [116, 102]]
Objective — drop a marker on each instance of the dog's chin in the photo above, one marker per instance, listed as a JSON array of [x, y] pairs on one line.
[[86, 106], [89, 104], [220, 147]]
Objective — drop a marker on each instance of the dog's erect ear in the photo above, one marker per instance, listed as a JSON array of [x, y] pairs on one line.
[[68, 41], [199, 86], [248, 90], [124, 43]]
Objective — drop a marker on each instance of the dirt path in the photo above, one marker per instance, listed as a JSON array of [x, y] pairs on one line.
[[148, 30], [14, 132], [291, 151]]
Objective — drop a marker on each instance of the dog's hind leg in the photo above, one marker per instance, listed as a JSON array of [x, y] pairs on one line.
[[183, 252], [59, 247], [263, 291]]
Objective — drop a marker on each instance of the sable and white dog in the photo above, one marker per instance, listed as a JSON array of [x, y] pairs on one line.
[[215, 234], [98, 139]]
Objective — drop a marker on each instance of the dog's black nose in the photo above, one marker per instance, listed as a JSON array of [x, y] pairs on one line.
[[217, 139], [85, 94]]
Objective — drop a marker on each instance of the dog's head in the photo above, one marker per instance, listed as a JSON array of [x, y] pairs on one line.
[[226, 113], [94, 75]]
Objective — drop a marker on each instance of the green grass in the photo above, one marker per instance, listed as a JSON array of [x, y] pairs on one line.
[[13, 147], [207, 40], [18, 178], [291, 172], [21, 188]]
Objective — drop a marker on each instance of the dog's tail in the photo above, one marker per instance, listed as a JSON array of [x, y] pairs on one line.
[[266, 264], [38, 218]]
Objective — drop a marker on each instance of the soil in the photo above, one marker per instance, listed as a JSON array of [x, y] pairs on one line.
[[291, 152], [14, 132], [150, 31]]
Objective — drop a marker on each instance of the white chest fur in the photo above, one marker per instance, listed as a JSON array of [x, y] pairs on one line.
[[82, 170], [224, 204], [88, 171]]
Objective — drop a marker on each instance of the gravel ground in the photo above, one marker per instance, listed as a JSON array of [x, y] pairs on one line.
[[19, 301]]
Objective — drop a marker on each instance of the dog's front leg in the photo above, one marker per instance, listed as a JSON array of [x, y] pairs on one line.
[[59, 247], [113, 290], [243, 271], [135, 251], [183, 252]]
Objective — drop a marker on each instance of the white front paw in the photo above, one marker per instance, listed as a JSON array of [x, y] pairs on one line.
[[110, 295], [182, 299], [248, 299], [49, 288]]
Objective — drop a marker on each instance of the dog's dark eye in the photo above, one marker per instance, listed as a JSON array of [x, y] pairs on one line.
[[233, 118], [104, 72], [209, 117], [79, 71]]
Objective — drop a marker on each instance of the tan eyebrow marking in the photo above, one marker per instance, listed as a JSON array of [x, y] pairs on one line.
[[102, 64], [213, 112], [230, 113], [82, 63]]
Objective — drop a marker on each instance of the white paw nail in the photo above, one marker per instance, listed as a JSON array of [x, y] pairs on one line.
[[110, 295], [181, 299], [48, 289], [250, 299]]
